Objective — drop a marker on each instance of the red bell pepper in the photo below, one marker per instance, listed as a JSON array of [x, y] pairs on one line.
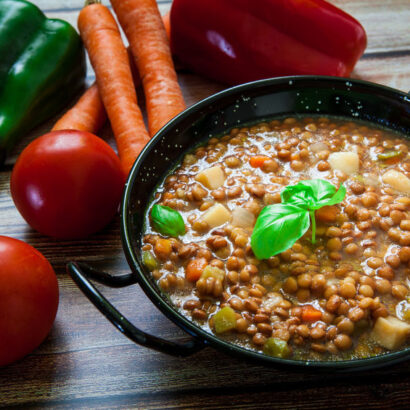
[[236, 41]]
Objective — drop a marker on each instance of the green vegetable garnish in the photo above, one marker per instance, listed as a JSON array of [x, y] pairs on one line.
[[167, 221], [389, 154], [279, 226], [312, 194], [276, 347], [149, 260]]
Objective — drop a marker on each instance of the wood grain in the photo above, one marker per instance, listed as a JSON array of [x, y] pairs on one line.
[[86, 363]]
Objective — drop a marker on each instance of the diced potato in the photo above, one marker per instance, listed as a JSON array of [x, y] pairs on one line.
[[397, 180], [212, 178], [216, 215], [390, 332], [224, 320], [271, 300], [213, 272], [347, 162], [243, 218], [371, 180]]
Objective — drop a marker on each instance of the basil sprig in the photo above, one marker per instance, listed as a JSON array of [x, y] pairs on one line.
[[279, 226], [167, 221]]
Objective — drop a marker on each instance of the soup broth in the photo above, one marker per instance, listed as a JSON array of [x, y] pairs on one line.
[[339, 294]]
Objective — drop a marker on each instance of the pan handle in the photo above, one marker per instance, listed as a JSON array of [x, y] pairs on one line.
[[80, 273]]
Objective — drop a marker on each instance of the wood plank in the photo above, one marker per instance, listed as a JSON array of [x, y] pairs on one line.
[[341, 396], [49, 5], [395, 72], [375, 16], [391, 46], [386, 22], [125, 372], [70, 14]]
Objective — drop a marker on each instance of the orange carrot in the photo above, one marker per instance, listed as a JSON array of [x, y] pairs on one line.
[[393, 161], [163, 248], [109, 59], [146, 34], [167, 24], [195, 268], [310, 314], [258, 160], [88, 114], [134, 69]]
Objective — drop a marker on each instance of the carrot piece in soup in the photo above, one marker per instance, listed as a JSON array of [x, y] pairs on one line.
[[257, 161], [310, 314], [195, 268]]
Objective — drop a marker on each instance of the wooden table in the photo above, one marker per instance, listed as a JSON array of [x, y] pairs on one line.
[[86, 363]]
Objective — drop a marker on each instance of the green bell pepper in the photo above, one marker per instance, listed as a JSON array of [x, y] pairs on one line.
[[42, 67]]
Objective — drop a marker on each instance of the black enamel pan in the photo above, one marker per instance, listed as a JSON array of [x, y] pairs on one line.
[[243, 104]]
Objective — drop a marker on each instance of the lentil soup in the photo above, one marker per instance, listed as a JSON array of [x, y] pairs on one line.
[[344, 296]]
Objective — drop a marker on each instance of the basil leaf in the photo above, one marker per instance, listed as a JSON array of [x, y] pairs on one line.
[[298, 194], [312, 194], [336, 198], [325, 193], [277, 228], [167, 221]]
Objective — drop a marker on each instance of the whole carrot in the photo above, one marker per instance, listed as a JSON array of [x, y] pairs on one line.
[[146, 34], [109, 59], [88, 114]]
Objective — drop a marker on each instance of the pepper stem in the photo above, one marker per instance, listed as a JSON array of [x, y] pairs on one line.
[[313, 221], [89, 2]]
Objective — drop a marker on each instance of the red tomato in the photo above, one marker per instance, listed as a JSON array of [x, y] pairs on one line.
[[28, 299], [67, 184]]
